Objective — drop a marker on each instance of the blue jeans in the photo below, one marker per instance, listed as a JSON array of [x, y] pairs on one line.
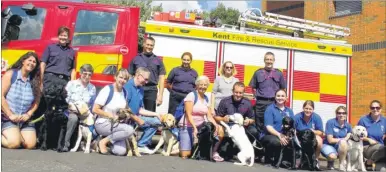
[[148, 132]]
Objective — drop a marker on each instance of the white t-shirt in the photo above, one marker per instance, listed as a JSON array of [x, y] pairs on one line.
[[117, 102]]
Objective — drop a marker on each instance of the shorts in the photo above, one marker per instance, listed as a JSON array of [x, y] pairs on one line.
[[328, 149], [185, 136], [22, 126]]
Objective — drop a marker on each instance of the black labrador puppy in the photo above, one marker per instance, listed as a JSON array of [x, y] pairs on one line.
[[308, 143], [289, 151], [206, 140], [54, 126]]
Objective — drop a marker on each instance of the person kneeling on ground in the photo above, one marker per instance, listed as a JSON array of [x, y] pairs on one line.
[[134, 99], [197, 107], [338, 132], [237, 104], [20, 95]]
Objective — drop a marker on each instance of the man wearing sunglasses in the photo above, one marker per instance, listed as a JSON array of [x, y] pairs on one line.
[[265, 82]]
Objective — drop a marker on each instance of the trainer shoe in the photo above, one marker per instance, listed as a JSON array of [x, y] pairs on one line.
[[330, 165], [144, 150]]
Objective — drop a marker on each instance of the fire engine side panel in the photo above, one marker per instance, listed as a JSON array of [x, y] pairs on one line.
[[321, 78], [170, 50], [248, 59]]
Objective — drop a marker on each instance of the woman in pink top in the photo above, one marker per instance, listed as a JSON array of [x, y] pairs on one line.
[[195, 116]]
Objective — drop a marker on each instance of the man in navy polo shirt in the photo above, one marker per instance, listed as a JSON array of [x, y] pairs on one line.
[[265, 82], [135, 94], [148, 60], [237, 104]]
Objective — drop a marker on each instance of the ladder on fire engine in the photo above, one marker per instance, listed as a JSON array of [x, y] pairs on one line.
[[254, 18]]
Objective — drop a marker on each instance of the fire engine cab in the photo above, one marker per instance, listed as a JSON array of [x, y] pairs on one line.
[[104, 36]]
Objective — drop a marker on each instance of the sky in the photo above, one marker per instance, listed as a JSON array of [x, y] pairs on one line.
[[204, 5]]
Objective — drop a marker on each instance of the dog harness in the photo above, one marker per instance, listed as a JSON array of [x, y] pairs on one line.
[[92, 130]]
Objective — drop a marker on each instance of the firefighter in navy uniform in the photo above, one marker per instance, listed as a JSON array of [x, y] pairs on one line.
[[265, 82]]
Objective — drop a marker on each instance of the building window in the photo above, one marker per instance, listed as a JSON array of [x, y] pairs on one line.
[[344, 8], [95, 28], [25, 25]]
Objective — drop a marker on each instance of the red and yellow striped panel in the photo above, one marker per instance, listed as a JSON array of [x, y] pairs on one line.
[[320, 87]]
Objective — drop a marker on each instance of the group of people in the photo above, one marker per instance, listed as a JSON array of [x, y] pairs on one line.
[[141, 89]]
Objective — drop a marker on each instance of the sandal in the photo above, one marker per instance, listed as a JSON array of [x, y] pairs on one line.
[[99, 149], [217, 157]]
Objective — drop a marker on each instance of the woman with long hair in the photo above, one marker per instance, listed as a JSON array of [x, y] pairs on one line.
[[20, 98]]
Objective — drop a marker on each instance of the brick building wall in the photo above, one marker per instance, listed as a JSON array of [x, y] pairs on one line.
[[368, 37], [288, 8]]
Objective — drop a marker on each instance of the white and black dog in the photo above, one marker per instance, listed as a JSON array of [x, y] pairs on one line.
[[355, 149], [86, 127], [239, 137]]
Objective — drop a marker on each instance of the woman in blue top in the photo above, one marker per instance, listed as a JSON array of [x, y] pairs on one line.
[[375, 123], [20, 95], [273, 116], [338, 131], [308, 119]]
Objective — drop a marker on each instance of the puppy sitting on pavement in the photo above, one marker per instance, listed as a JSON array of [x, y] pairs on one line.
[[308, 143], [239, 137], [86, 128], [288, 151], [169, 137], [355, 149], [123, 116]]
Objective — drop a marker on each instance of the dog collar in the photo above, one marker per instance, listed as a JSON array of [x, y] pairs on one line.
[[352, 138]]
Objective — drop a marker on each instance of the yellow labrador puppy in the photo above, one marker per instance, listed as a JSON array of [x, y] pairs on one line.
[[168, 139]]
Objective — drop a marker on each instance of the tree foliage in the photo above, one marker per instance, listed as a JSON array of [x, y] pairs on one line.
[[226, 15]]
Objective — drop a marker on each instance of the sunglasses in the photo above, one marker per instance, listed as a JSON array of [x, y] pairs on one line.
[[377, 108], [341, 113], [227, 67]]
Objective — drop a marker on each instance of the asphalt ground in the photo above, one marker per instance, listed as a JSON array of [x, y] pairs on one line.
[[20, 160]]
